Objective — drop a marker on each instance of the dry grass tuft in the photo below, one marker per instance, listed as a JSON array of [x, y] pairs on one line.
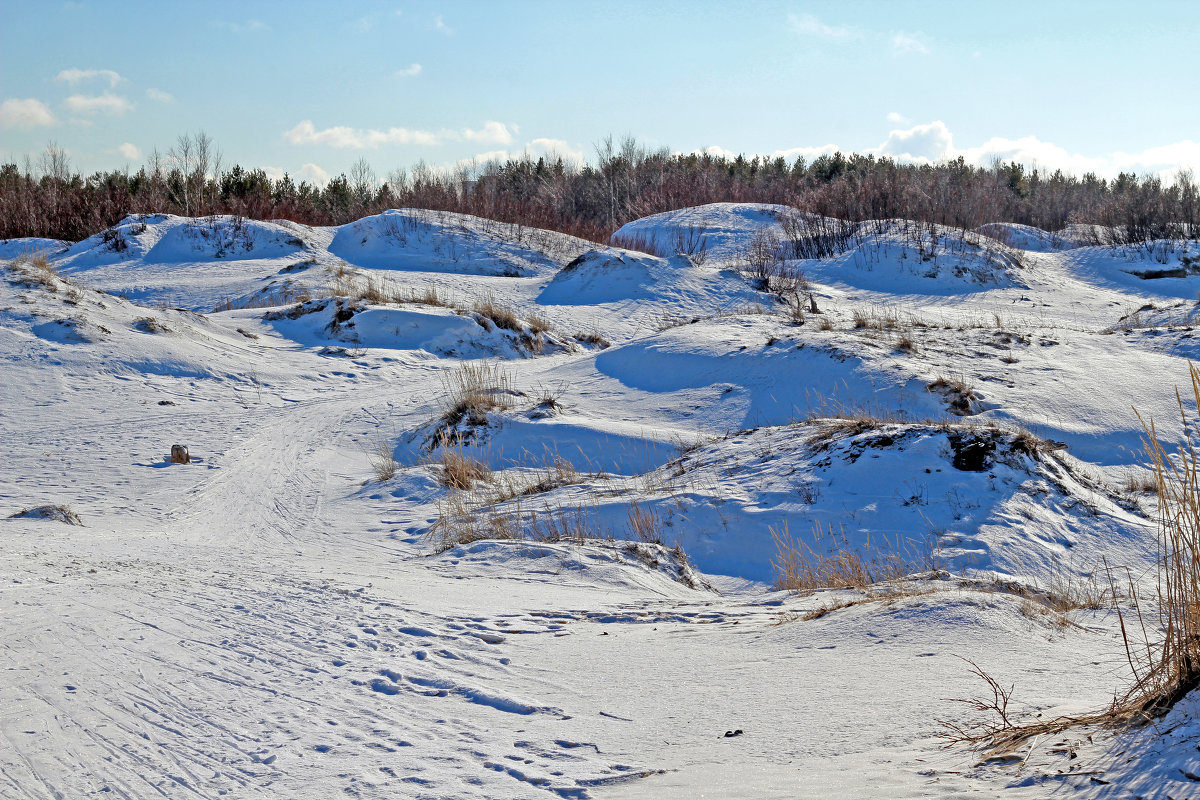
[[498, 314], [57, 513], [645, 524], [883, 318], [801, 568], [460, 471], [554, 473], [382, 459], [593, 339], [35, 269], [958, 393], [473, 390]]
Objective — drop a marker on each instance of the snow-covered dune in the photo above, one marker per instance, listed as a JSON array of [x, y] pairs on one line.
[[717, 233], [427, 241], [472, 510]]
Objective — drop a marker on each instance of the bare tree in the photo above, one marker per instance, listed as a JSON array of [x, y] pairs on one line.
[[183, 157], [362, 181]]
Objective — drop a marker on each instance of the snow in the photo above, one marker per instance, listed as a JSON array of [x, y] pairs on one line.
[[275, 620]]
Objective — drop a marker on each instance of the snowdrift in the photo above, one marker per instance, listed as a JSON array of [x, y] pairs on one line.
[[451, 333], [718, 234], [1027, 237], [967, 498], [429, 241]]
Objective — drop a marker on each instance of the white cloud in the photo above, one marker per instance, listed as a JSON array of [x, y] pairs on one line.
[[555, 147], [158, 95], [716, 151], [313, 174], [921, 143], [440, 25], [74, 76], [308, 172], [896, 118], [550, 149], [411, 71], [903, 43], [808, 25], [98, 104], [363, 25], [130, 151], [27, 113], [934, 142], [347, 138], [492, 132], [809, 153], [355, 138]]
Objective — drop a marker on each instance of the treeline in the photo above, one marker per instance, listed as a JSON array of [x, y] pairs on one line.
[[626, 181]]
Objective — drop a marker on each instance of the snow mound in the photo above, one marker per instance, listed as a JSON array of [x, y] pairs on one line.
[[1027, 237], [741, 369], [111, 335], [432, 241], [903, 256], [440, 331], [1166, 267], [964, 497], [165, 238], [717, 233], [12, 248], [629, 292], [605, 276], [529, 438]]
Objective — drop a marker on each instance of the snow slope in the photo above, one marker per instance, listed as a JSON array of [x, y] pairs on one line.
[[281, 618]]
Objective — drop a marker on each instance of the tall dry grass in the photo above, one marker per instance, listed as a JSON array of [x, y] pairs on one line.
[[831, 562], [474, 389], [1165, 672], [1164, 669]]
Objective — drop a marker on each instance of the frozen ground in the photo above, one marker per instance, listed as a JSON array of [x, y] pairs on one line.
[[274, 620]]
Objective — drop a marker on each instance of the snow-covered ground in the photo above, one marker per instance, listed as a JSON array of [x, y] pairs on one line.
[[281, 618]]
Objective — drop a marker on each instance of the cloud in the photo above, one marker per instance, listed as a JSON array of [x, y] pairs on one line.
[[130, 151], [492, 132], [27, 113], [97, 104], [555, 147], [896, 117], [716, 151], [808, 25], [903, 43], [411, 71], [74, 76], [921, 143], [534, 148], [307, 172], [363, 25], [934, 142], [356, 139], [440, 25], [313, 174], [347, 138], [158, 95], [808, 153]]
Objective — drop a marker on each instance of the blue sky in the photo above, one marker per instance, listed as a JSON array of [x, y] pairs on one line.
[[309, 88]]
